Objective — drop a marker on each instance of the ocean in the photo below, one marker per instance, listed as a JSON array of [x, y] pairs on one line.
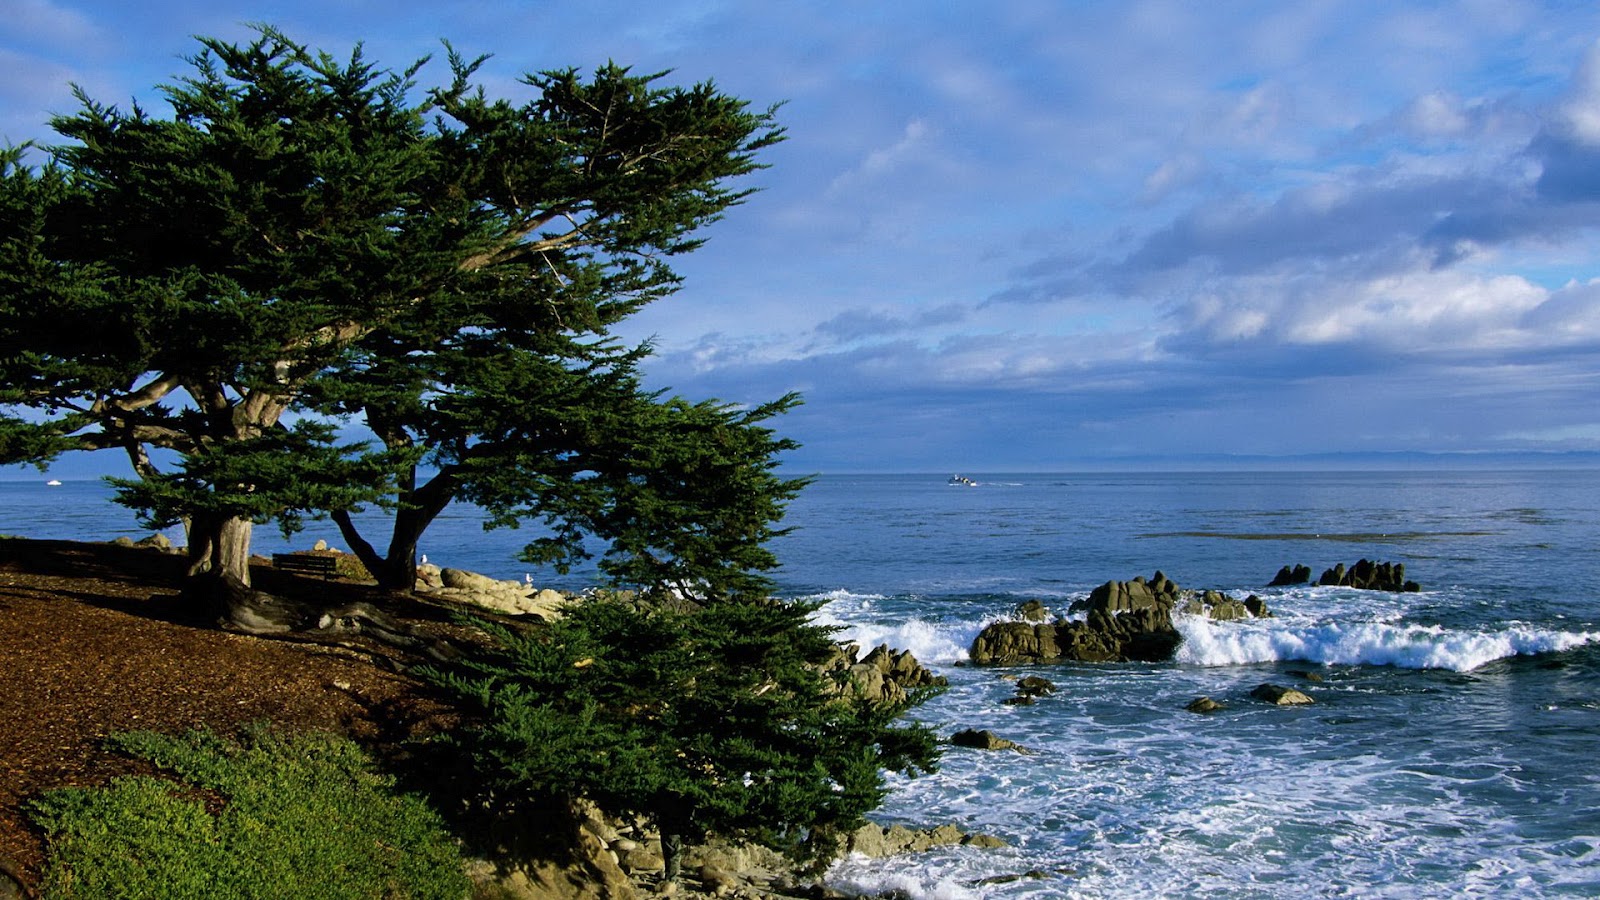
[[1451, 750]]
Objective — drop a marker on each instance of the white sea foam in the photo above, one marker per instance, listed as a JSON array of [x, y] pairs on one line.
[[867, 878], [1209, 643], [859, 618]]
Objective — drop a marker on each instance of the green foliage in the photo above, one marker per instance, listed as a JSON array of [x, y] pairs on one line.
[[283, 474], [304, 234], [688, 504], [713, 720], [266, 817]]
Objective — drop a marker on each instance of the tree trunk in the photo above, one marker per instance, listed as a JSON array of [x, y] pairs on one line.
[[417, 509], [220, 545]]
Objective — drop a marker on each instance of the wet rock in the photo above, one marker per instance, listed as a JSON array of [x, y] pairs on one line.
[[1287, 576], [1033, 611], [1204, 705], [1369, 576], [882, 676], [1123, 621], [1280, 696], [875, 841], [1034, 686], [983, 739]]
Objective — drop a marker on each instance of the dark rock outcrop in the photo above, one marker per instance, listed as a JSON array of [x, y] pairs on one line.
[[1370, 576], [1287, 576], [981, 739], [882, 676], [1124, 621], [1364, 575], [1279, 695]]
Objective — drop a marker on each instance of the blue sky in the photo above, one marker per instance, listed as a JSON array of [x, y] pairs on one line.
[[1043, 235]]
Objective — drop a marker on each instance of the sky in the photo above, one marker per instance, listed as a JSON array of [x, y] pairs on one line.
[[1024, 236]]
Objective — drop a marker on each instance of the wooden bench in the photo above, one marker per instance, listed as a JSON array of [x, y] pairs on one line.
[[304, 564]]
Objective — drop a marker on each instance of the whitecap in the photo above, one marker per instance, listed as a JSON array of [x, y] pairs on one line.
[[930, 640], [1208, 643]]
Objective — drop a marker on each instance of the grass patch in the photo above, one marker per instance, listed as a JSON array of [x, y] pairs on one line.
[[264, 816]]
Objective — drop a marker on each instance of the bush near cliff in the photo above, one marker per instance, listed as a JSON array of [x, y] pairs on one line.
[[707, 721]]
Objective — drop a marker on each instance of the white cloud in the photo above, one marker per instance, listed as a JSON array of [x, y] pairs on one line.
[[883, 161]]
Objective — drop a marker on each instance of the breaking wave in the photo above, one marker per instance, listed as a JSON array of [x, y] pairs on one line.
[[1208, 643]]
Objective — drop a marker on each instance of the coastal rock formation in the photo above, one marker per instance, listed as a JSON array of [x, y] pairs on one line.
[[982, 739], [1287, 576], [1370, 576], [512, 598], [876, 841], [1123, 621], [882, 676], [1364, 575], [1278, 695]]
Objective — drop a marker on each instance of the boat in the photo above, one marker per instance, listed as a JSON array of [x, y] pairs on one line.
[[962, 481], [54, 482]]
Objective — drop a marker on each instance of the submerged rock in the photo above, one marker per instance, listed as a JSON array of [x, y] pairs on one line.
[[982, 739], [1204, 705], [1279, 695]]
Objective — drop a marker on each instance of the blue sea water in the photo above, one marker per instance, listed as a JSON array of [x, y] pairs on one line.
[[1451, 751]]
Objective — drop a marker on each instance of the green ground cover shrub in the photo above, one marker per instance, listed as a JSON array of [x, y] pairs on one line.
[[263, 816]]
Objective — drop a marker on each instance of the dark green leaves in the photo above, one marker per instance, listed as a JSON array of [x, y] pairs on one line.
[[714, 719]]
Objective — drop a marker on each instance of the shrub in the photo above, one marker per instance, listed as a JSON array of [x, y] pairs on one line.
[[712, 720], [265, 816]]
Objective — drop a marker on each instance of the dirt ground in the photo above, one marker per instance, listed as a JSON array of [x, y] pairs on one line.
[[94, 640]]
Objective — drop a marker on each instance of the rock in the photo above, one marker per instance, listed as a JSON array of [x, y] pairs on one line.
[[156, 541], [1124, 621], [1033, 611], [883, 676], [1223, 608], [981, 740], [461, 579], [1006, 643], [1204, 705], [1370, 576], [876, 842], [428, 577], [1034, 686], [718, 880], [1313, 677], [1280, 696], [1287, 576], [642, 859], [513, 598]]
